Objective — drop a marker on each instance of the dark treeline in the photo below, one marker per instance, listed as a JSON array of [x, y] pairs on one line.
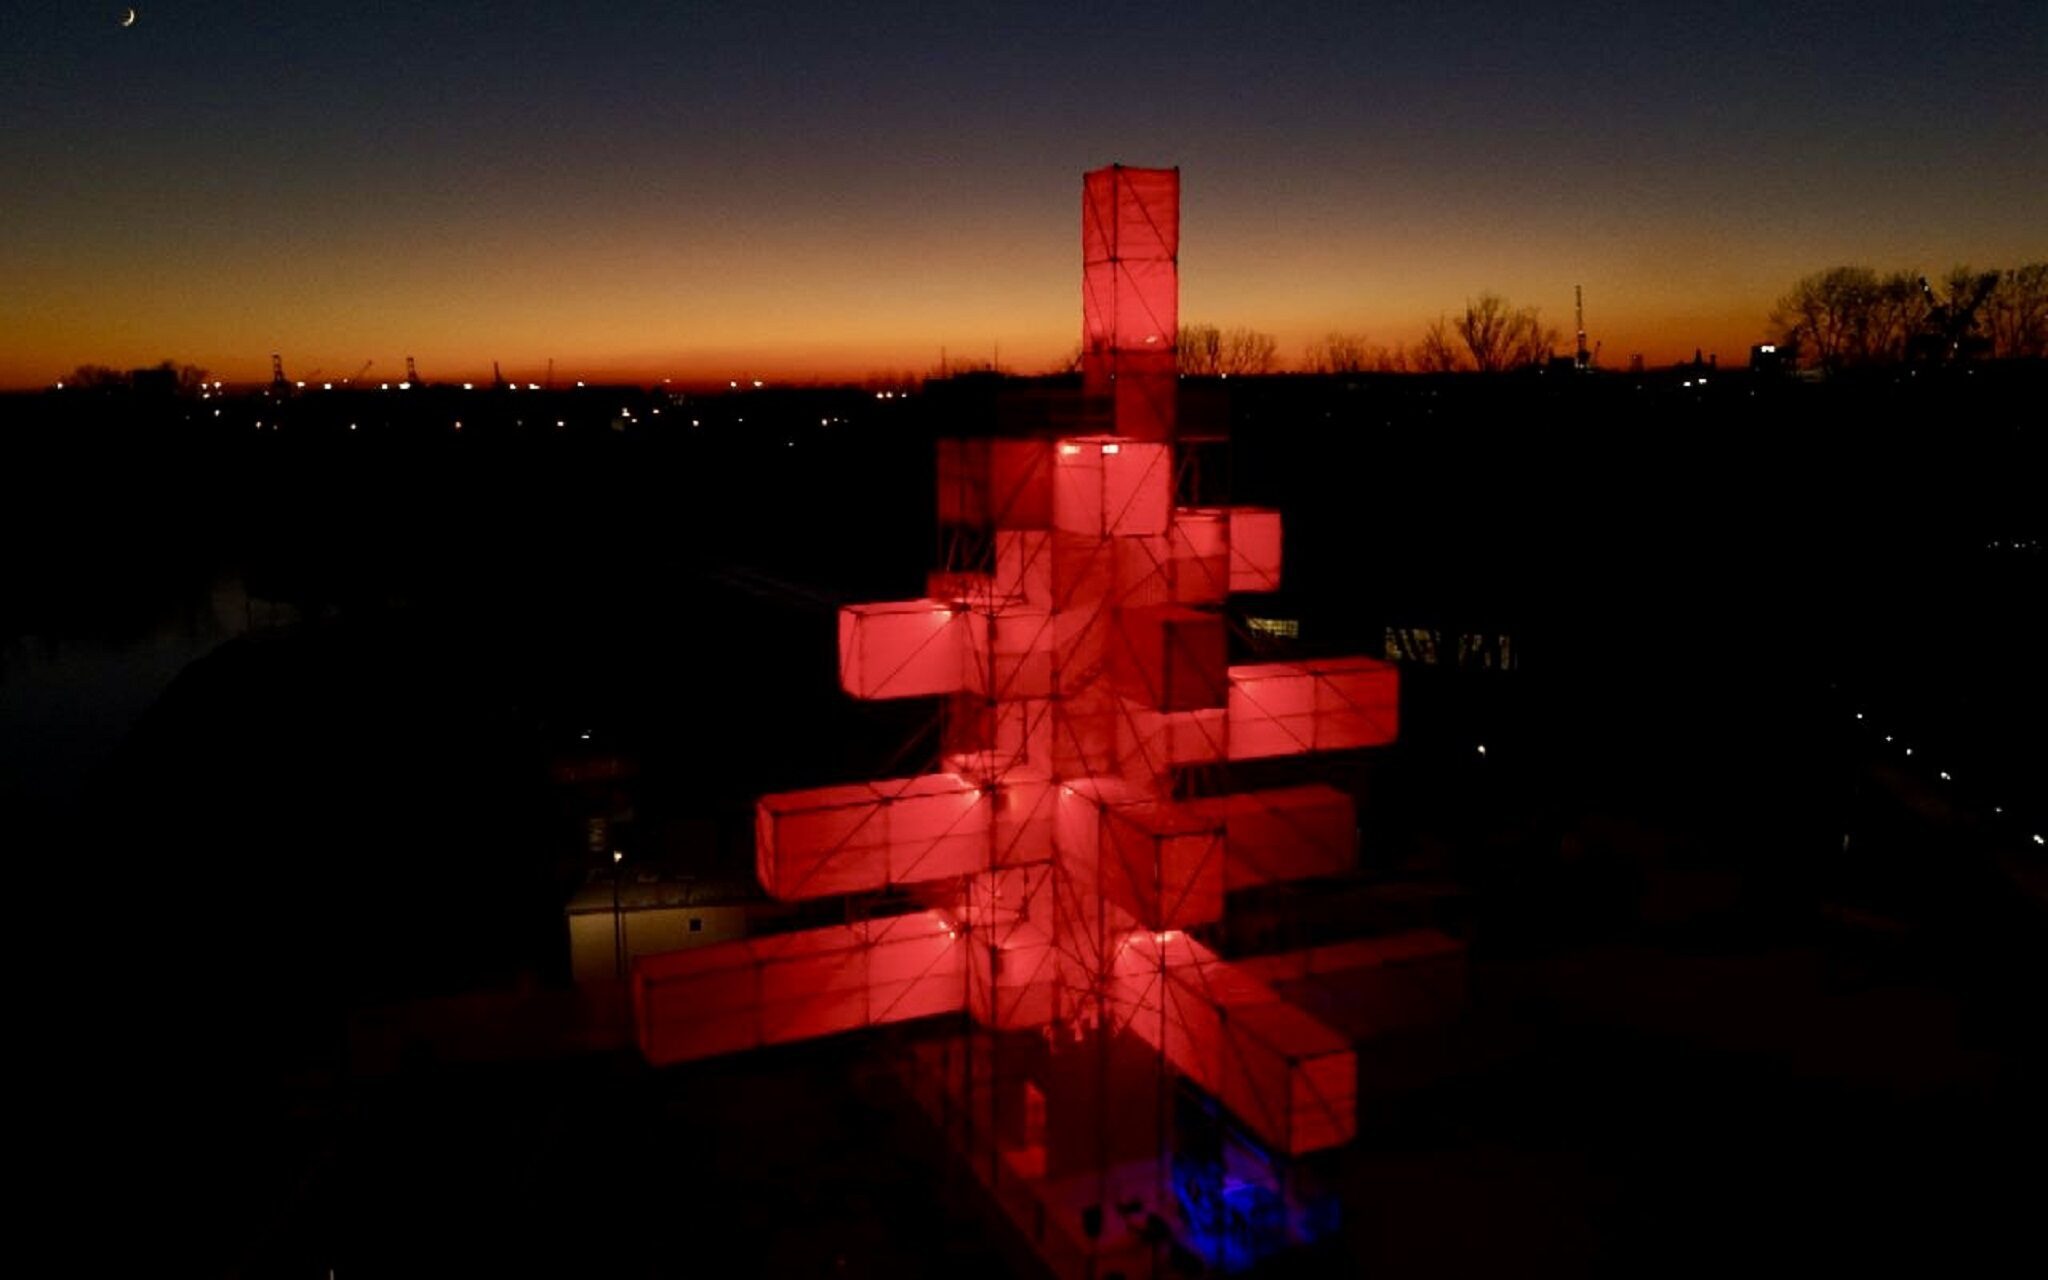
[[1841, 318], [1852, 316]]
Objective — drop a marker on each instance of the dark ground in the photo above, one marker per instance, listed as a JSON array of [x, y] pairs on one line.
[[1704, 1034]]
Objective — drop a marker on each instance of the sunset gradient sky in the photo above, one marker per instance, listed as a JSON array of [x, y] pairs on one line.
[[826, 189]]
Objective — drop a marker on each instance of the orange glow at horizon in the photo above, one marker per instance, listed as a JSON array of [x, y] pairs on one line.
[[879, 295]]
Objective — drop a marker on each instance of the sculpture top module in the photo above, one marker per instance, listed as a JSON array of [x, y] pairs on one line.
[[1082, 671]]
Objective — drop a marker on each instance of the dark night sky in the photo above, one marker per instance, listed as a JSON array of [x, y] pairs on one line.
[[696, 189]]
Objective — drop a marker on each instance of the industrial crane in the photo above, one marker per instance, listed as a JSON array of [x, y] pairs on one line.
[[1947, 333], [1581, 359]]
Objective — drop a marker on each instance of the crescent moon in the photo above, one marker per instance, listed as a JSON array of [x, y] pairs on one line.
[[128, 18]]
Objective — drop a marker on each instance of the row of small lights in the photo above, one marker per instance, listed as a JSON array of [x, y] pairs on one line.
[[625, 413], [1943, 774], [510, 386], [1946, 776]]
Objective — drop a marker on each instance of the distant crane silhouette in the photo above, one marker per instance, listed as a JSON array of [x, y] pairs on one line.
[[497, 378], [277, 382], [360, 372], [412, 372], [1948, 332], [1582, 359]]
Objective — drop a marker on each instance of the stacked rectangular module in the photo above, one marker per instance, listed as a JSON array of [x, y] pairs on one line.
[[1289, 1078], [1081, 668], [1130, 295], [794, 986]]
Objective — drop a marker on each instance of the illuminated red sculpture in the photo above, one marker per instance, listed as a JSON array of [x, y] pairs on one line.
[[1081, 670], [1130, 295]]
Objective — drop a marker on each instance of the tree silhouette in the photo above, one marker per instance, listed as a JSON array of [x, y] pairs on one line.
[[1247, 351], [1337, 352], [1824, 316], [2016, 317], [1848, 316], [1204, 350], [96, 377], [1500, 337], [1438, 351], [166, 377], [1198, 350]]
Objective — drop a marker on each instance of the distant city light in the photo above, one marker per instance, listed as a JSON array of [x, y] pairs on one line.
[[757, 382], [2038, 839], [469, 386], [1859, 715], [405, 386], [1482, 748], [327, 386], [533, 386], [1945, 777]]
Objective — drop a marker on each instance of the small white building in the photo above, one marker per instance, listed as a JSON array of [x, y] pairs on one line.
[[611, 921]]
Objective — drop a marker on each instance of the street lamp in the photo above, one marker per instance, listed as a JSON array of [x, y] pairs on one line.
[[618, 922]]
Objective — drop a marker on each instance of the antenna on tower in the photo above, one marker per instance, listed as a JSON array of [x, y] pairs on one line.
[[497, 377], [277, 382], [1583, 360], [412, 371]]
